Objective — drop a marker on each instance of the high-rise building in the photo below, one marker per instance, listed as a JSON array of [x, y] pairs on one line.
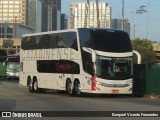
[[13, 19], [34, 14], [64, 21], [44, 15], [83, 14], [37, 14], [13, 11], [117, 24]]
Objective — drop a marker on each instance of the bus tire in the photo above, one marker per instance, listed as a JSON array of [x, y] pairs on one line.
[[35, 86], [69, 86], [77, 91], [30, 85]]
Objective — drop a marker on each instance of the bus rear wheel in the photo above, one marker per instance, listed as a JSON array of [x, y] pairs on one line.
[[69, 87], [35, 86], [77, 91], [30, 85]]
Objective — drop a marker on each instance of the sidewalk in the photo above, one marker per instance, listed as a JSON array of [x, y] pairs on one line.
[[152, 96]]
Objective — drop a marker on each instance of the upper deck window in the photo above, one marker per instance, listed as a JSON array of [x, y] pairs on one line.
[[50, 41]]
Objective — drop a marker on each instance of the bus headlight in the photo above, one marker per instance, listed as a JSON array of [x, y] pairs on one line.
[[98, 83]]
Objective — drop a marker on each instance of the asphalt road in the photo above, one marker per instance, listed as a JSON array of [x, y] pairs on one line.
[[15, 98]]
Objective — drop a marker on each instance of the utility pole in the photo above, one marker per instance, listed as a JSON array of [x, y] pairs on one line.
[[36, 25], [122, 14], [133, 29], [141, 10], [134, 33], [148, 19], [15, 27]]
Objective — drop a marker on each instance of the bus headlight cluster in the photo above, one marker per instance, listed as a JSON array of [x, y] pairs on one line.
[[99, 83]]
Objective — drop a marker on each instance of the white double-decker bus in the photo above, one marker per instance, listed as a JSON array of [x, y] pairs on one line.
[[83, 60]]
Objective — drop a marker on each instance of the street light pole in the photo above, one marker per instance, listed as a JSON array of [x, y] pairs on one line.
[[148, 19], [133, 29], [50, 16], [134, 33], [122, 14], [141, 11], [36, 25]]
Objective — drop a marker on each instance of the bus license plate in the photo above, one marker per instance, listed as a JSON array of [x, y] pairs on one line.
[[115, 91]]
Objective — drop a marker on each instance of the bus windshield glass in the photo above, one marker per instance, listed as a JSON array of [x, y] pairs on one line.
[[113, 68], [110, 41], [106, 40], [13, 67]]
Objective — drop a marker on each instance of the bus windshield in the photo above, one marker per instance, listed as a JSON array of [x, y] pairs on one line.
[[105, 40], [113, 68], [110, 41], [12, 66]]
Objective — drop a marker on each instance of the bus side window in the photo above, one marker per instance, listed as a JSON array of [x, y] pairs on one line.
[[60, 41], [44, 41], [53, 42], [24, 43], [30, 42], [87, 62], [70, 40], [37, 42], [74, 45]]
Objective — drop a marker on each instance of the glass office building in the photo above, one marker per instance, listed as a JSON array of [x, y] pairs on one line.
[[38, 14]]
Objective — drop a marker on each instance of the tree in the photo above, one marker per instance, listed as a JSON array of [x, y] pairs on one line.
[[145, 48]]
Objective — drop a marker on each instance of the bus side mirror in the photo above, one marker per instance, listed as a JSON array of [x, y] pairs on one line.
[[4, 63], [138, 56], [93, 54]]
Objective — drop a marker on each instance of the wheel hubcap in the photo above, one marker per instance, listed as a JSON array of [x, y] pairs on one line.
[[35, 85], [77, 87], [69, 87]]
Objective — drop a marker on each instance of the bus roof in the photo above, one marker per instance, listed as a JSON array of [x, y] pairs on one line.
[[67, 30]]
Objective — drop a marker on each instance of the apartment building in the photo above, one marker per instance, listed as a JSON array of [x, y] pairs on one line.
[[83, 14]]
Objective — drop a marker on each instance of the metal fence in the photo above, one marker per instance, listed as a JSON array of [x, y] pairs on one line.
[[146, 79]]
